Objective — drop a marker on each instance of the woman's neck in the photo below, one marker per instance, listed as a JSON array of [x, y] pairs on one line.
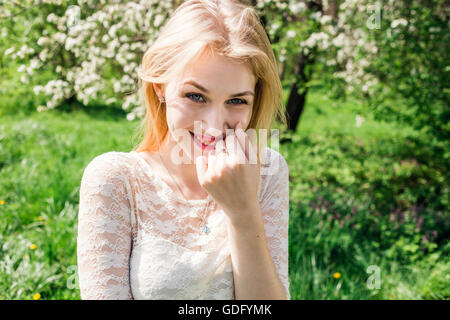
[[184, 173]]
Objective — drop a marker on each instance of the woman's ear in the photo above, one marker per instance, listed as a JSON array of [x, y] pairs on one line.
[[159, 89]]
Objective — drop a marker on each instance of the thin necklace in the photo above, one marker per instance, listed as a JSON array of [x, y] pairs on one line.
[[205, 227]]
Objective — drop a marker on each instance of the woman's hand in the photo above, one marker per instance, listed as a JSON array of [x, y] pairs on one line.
[[230, 178]]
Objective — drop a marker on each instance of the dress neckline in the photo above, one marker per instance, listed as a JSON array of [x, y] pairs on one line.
[[169, 191]]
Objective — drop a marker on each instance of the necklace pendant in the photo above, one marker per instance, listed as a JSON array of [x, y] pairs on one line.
[[207, 229]]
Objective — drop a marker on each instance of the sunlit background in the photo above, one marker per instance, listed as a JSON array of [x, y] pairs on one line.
[[366, 87]]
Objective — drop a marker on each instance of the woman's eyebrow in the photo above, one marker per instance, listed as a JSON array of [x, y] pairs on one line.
[[200, 87]]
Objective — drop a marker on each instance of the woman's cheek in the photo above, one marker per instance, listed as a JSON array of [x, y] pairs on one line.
[[243, 115], [180, 116]]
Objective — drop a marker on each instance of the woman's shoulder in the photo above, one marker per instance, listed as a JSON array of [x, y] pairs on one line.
[[274, 171], [110, 163], [273, 162], [112, 157]]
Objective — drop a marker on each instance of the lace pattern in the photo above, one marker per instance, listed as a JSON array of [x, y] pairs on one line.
[[138, 240]]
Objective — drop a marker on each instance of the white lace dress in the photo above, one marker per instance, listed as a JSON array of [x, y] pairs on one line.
[[137, 239]]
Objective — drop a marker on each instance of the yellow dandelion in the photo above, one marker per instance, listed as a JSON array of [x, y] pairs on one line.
[[33, 246], [26, 256], [336, 275], [2, 201], [37, 296], [40, 218]]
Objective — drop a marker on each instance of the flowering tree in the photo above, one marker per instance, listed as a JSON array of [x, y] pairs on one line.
[[360, 47], [389, 50], [93, 48], [300, 41]]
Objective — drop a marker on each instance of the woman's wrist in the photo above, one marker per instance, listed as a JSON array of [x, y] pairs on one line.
[[247, 219]]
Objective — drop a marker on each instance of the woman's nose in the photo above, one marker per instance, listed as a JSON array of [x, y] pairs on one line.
[[216, 124]]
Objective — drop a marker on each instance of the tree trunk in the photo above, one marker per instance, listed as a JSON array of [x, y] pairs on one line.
[[296, 101]]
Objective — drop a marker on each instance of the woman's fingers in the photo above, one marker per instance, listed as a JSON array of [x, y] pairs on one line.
[[211, 164], [241, 138], [201, 163], [219, 146], [245, 142], [221, 160], [234, 150]]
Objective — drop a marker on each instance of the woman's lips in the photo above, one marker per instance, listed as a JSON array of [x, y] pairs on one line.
[[206, 139], [209, 146]]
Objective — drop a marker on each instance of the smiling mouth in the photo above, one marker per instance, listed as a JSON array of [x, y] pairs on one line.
[[200, 143]]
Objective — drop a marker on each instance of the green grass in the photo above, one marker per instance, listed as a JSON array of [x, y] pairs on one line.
[[345, 181], [42, 158]]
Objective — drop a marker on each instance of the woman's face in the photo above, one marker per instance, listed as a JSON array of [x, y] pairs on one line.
[[211, 95]]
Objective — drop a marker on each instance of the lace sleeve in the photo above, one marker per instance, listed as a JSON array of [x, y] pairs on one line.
[[275, 211], [104, 231]]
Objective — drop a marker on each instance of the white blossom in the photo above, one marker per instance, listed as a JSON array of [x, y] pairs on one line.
[[158, 20], [325, 19], [9, 51], [316, 16], [21, 68], [24, 79], [290, 34], [297, 7], [359, 120], [398, 22]]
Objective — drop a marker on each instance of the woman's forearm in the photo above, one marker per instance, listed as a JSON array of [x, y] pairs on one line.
[[255, 275]]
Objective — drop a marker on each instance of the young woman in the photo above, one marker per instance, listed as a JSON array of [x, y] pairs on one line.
[[193, 218]]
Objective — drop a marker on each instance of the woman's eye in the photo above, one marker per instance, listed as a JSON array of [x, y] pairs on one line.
[[239, 101], [193, 95], [196, 98]]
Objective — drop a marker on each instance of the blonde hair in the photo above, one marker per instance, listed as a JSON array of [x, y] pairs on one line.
[[231, 29]]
